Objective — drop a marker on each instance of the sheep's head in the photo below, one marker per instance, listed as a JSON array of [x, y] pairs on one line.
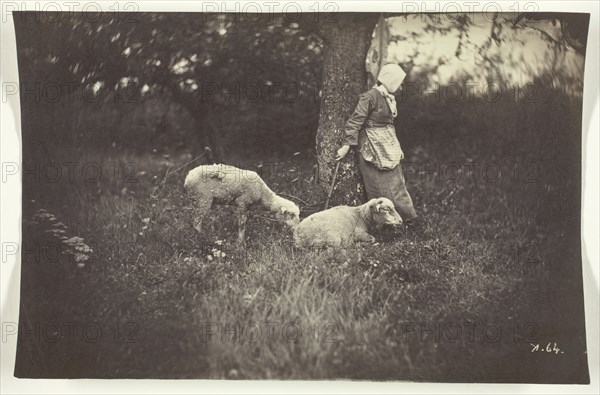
[[287, 212], [383, 212]]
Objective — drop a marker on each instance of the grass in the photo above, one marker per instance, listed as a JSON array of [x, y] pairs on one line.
[[174, 304]]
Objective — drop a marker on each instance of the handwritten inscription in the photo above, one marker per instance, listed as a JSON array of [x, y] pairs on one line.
[[549, 348]]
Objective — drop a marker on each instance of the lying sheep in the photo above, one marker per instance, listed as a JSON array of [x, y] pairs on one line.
[[223, 184], [343, 225]]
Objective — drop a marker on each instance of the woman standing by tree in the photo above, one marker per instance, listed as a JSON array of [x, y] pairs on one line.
[[371, 130]]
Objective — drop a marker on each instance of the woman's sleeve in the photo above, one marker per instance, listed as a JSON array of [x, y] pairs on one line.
[[356, 121]]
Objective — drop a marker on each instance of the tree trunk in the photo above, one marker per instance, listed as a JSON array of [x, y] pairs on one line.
[[346, 42]]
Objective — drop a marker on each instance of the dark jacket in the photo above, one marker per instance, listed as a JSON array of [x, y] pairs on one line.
[[371, 111]]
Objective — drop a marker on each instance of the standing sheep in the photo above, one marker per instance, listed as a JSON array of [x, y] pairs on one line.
[[223, 184], [343, 225]]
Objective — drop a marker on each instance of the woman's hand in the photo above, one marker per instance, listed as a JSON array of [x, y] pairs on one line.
[[342, 152]]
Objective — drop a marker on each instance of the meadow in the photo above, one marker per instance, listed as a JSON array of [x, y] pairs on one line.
[[495, 270]]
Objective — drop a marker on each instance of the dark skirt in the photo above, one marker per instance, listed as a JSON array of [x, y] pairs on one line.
[[389, 184]]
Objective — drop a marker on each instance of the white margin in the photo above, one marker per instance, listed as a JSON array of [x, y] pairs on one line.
[[10, 205]]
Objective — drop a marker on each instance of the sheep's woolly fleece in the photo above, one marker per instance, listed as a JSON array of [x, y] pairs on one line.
[[224, 184], [345, 225]]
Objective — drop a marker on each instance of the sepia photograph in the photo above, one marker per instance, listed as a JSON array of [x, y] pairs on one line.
[[301, 193]]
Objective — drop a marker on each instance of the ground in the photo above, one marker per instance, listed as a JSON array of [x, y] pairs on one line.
[[461, 300]]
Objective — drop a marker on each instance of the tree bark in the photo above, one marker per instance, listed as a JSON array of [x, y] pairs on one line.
[[346, 42]]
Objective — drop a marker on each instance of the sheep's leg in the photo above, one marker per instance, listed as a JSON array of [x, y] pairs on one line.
[[200, 207], [363, 236], [242, 217]]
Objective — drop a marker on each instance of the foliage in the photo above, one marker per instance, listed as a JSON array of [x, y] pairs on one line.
[[243, 86], [257, 81]]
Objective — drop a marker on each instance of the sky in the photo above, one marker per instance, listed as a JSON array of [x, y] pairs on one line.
[[522, 55]]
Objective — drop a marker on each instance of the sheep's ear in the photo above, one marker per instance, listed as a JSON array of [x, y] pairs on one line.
[[375, 206]]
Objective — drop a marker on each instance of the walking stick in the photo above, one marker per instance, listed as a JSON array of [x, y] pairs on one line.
[[337, 166]]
